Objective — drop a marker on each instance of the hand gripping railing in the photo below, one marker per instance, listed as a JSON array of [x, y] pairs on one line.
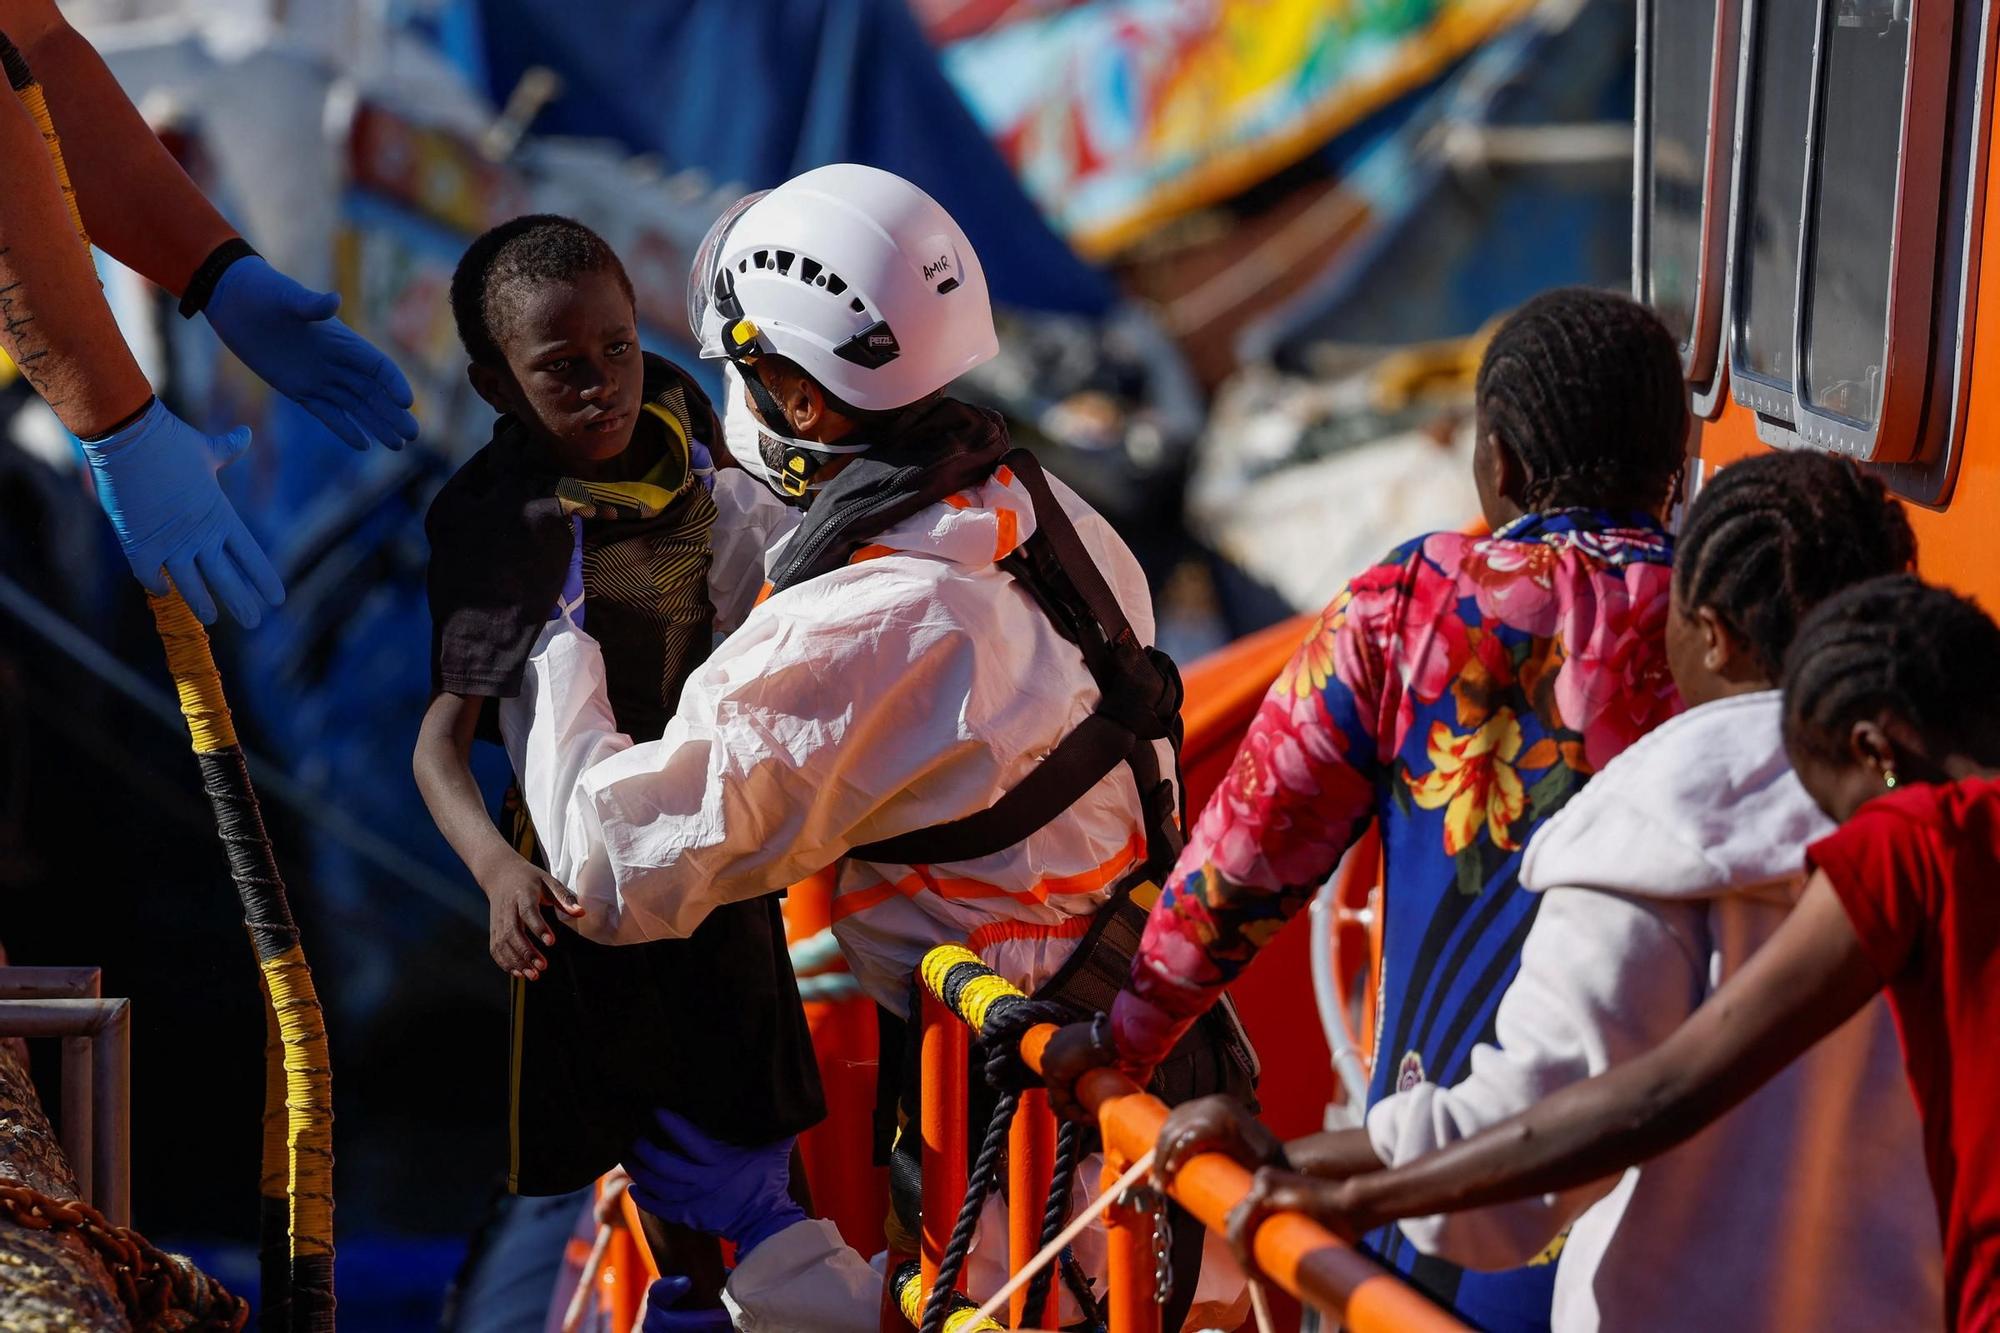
[[1304, 1258]]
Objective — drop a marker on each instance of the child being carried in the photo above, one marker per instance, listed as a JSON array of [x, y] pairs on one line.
[[599, 458]]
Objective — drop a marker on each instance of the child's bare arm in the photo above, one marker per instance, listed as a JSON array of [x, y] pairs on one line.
[[515, 887], [1808, 979]]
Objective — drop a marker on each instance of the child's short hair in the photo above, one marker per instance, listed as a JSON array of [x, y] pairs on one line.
[[1585, 387], [1897, 645], [1771, 537], [536, 248]]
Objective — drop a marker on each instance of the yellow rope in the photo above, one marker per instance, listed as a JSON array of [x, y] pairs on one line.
[[275, 1172], [972, 992], [910, 1300], [195, 677], [309, 1109], [979, 996], [941, 960]]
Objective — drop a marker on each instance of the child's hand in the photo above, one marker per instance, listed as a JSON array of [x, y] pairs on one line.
[[1215, 1124], [516, 894]]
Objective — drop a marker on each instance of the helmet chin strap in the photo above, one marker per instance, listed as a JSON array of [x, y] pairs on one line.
[[785, 463]]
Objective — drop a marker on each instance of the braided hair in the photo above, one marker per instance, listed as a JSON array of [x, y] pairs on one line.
[[1584, 387], [535, 248], [1898, 645], [1771, 537]]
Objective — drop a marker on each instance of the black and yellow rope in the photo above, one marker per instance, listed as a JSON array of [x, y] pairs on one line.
[[908, 1288], [296, 1183], [298, 1126], [967, 987], [1000, 1015]]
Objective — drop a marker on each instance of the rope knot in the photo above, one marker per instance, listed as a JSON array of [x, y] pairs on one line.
[[1006, 1023]]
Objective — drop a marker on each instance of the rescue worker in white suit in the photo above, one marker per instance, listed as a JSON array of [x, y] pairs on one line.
[[900, 701]]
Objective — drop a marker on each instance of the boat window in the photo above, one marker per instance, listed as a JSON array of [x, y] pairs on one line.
[[1680, 52], [1777, 111], [1857, 145], [1932, 449]]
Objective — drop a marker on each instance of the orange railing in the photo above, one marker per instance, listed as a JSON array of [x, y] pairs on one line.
[[1299, 1255]]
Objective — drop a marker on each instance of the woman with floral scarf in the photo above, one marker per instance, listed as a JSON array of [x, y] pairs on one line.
[[1459, 693]]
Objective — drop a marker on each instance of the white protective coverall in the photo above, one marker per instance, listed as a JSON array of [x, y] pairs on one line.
[[914, 686], [1808, 1205]]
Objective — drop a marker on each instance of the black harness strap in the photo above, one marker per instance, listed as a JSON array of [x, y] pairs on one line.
[[1139, 698]]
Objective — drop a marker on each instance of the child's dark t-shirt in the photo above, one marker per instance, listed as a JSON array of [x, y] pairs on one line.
[[500, 540], [608, 1034]]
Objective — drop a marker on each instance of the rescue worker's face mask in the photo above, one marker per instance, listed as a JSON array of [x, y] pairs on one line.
[[784, 463]]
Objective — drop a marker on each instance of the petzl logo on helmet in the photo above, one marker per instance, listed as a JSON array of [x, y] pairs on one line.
[[942, 264]]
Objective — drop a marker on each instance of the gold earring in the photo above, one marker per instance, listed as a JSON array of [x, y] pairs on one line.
[[1889, 778]]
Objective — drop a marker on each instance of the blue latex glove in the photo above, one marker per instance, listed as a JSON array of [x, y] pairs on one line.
[[156, 479], [662, 1317], [288, 335], [680, 1174], [702, 463], [569, 602]]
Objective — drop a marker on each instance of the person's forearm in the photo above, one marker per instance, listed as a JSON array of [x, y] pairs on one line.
[[457, 808], [1805, 981], [53, 319], [1201, 934], [1334, 1155], [138, 204], [1583, 1133]]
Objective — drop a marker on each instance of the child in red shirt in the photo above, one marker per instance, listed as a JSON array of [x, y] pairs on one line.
[[1892, 724]]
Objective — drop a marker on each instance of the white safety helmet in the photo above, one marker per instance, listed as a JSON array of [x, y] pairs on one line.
[[853, 273]]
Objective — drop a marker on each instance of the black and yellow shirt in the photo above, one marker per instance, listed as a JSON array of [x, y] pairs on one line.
[[500, 541]]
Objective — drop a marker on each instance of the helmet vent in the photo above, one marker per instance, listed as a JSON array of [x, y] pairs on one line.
[[858, 308], [785, 258], [809, 270], [835, 284]]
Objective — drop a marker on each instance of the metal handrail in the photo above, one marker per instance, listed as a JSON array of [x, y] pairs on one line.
[[1296, 1253], [96, 1084]]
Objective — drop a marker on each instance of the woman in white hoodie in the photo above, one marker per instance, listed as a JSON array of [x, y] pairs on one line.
[[1808, 1205]]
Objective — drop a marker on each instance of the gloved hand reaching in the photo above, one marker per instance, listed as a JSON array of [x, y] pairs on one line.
[[156, 479], [287, 334], [679, 1174]]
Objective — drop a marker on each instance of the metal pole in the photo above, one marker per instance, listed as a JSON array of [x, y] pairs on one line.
[[1031, 1154], [70, 983], [945, 1050], [106, 1026], [1298, 1254], [50, 983], [78, 1141], [1128, 1246], [111, 1109]]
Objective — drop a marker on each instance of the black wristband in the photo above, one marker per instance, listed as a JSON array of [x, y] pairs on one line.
[[202, 285], [102, 436]]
